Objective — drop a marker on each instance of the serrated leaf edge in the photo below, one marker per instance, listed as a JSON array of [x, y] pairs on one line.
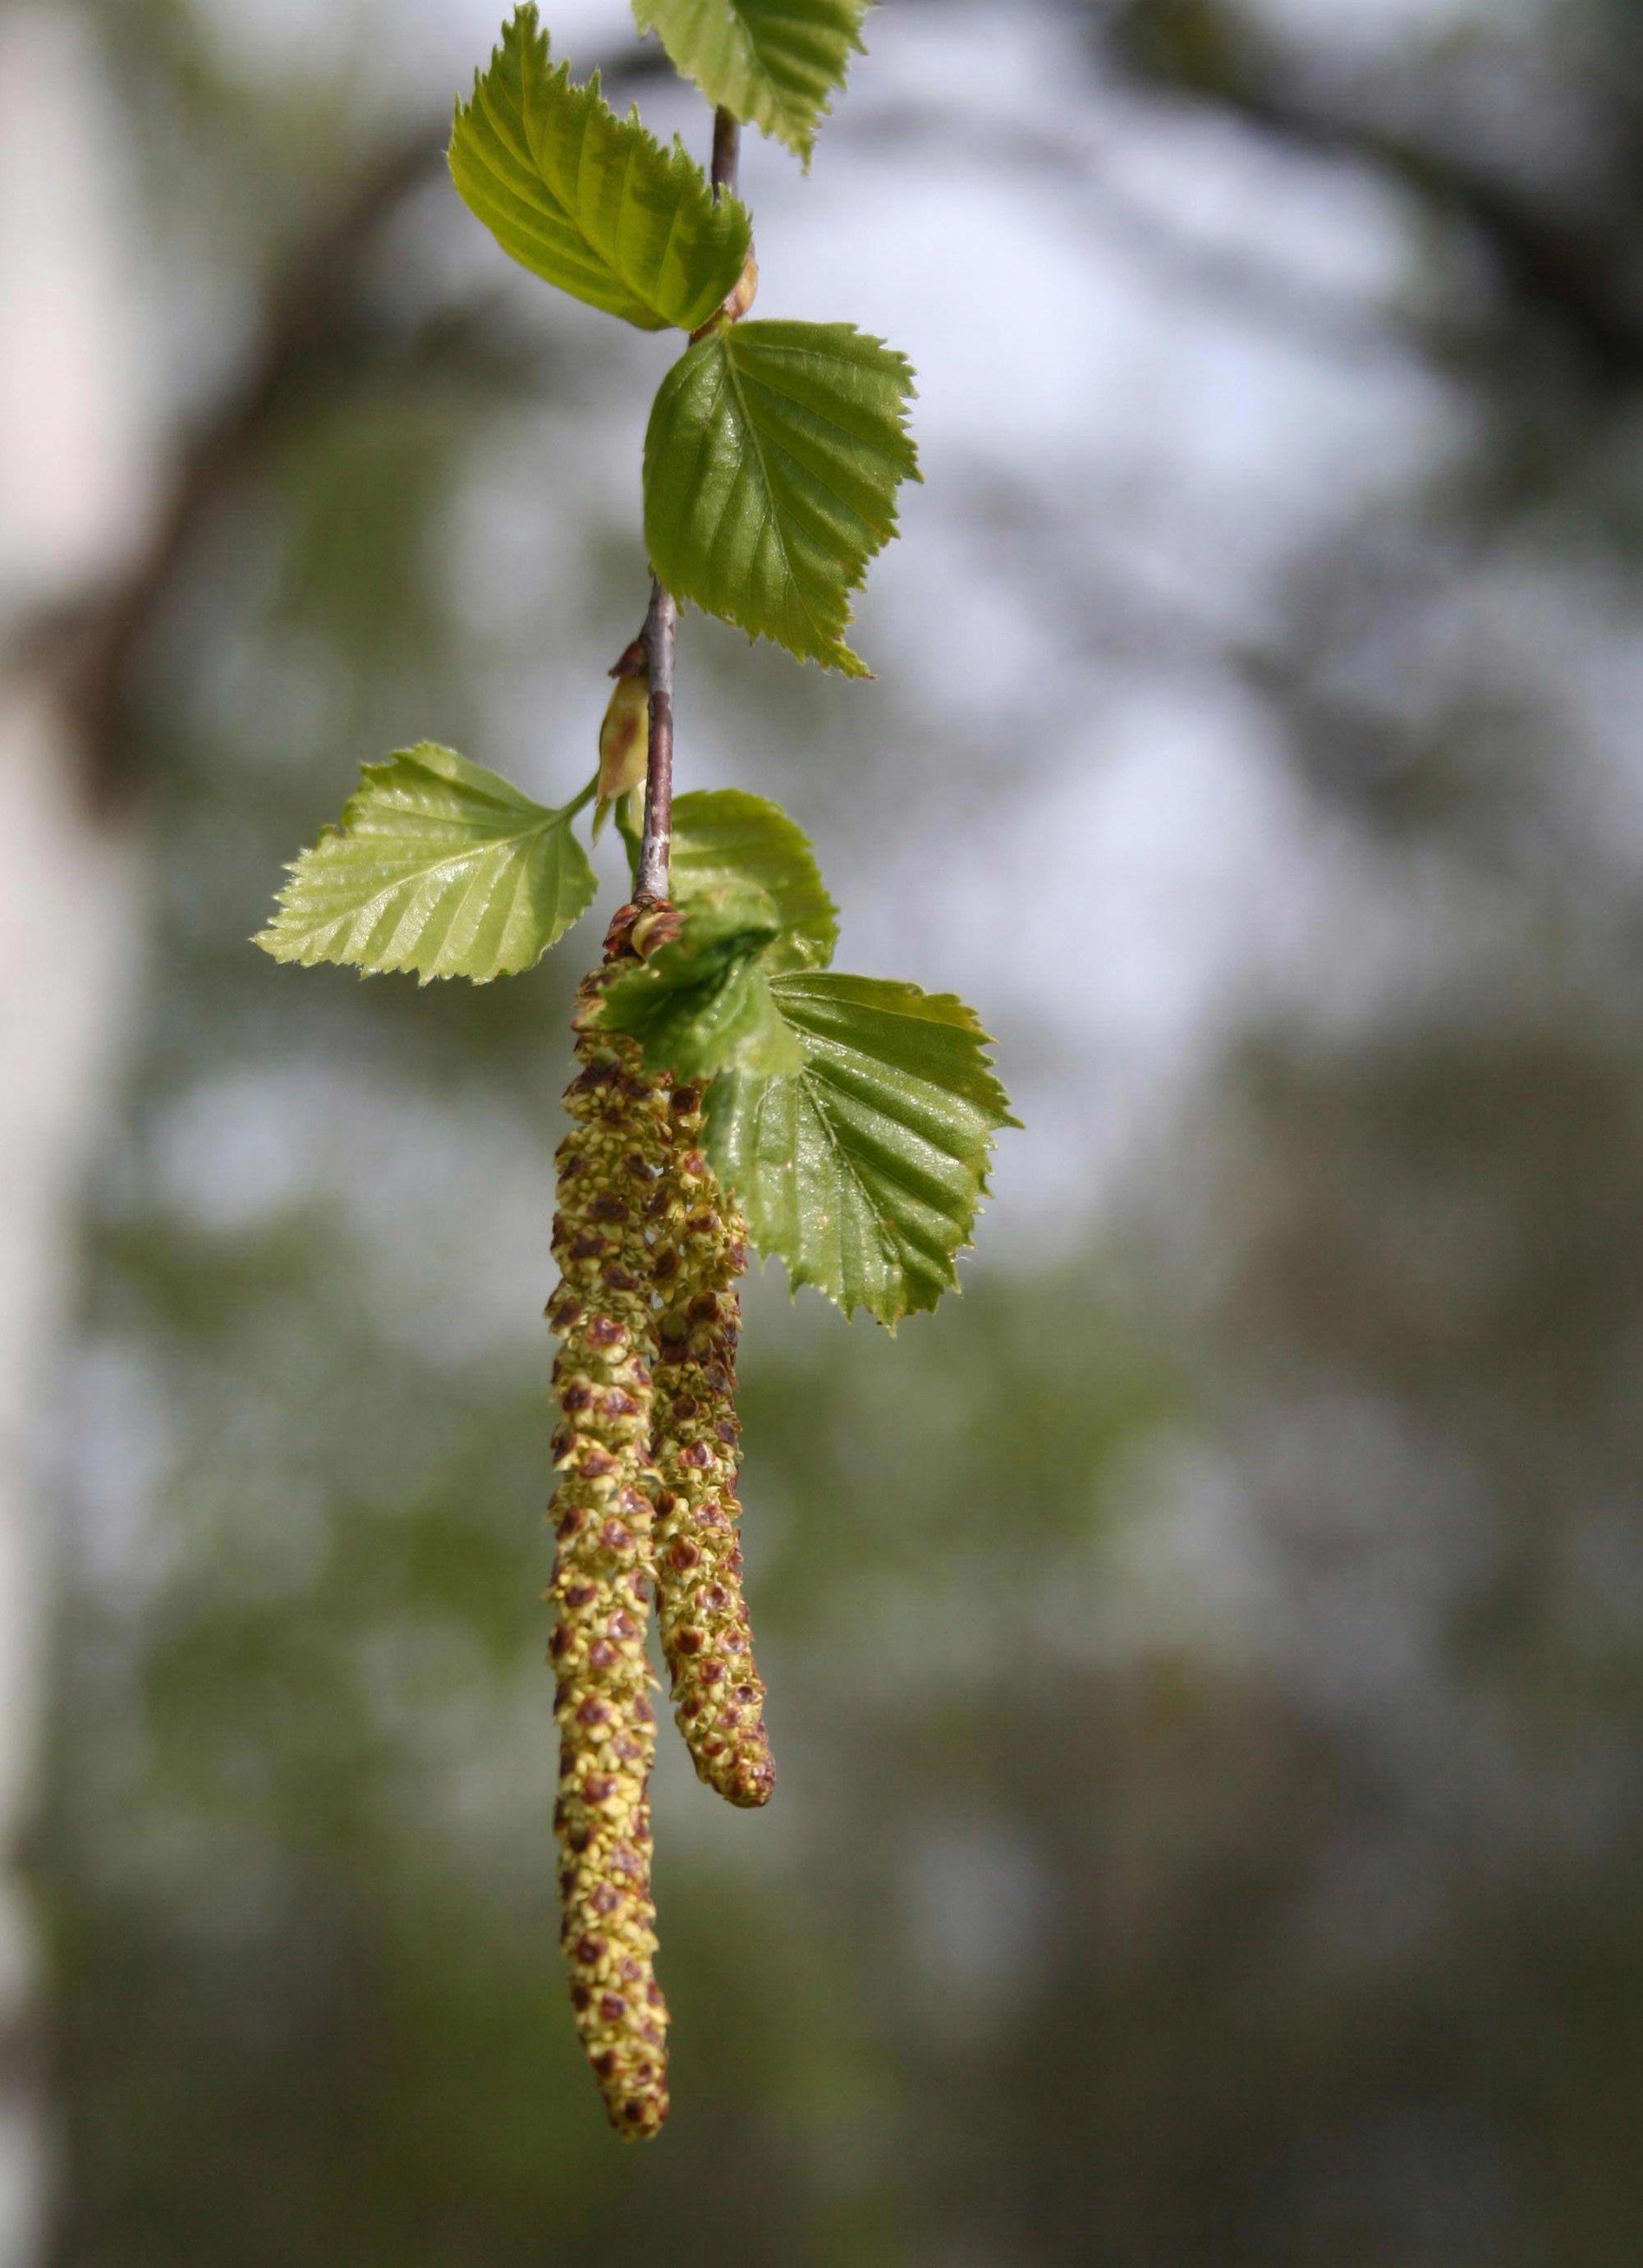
[[943, 1274], [526, 24], [764, 807], [799, 137], [838, 654], [301, 952]]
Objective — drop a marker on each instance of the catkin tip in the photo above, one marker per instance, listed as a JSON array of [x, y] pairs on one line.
[[707, 1638]]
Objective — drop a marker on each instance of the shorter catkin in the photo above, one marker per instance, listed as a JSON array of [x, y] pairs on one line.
[[707, 1640], [609, 1166]]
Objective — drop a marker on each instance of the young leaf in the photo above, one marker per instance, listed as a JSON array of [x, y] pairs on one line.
[[771, 462], [438, 866], [724, 838], [864, 1168], [588, 201], [702, 1003], [771, 63]]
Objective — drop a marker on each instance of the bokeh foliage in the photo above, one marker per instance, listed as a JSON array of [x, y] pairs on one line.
[[1204, 1661]]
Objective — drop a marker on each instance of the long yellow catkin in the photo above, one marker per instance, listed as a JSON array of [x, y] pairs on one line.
[[612, 1166], [707, 1640]]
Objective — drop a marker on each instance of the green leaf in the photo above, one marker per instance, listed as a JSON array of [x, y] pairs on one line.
[[589, 201], [863, 1169], [773, 62], [439, 867], [724, 838], [702, 1003], [771, 462]]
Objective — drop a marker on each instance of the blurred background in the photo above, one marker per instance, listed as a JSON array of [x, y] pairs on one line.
[[1207, 1660]]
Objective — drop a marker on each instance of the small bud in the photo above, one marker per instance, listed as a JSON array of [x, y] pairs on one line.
[[657, 927], [623, 742], [735, 304], [745, 293]]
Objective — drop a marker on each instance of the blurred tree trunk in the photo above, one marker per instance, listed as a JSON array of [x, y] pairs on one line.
[[70, 924]]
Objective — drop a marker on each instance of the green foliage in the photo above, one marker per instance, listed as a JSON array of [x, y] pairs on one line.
[[853, 1117], [588, 201], [771, 462], [704, 1002], [864, 1168], [769, 62], [727, 837], [437, 867]]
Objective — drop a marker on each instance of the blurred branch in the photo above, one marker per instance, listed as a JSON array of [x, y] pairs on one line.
[[1568, 268], [312, 314], [316, 323], [1321, 318]]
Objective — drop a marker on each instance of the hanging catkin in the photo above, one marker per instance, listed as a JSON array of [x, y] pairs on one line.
[[719, 1698], [611, 1165]]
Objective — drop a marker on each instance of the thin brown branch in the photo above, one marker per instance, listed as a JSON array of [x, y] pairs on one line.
[[726, 151], [656, 843], [661, 621]]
